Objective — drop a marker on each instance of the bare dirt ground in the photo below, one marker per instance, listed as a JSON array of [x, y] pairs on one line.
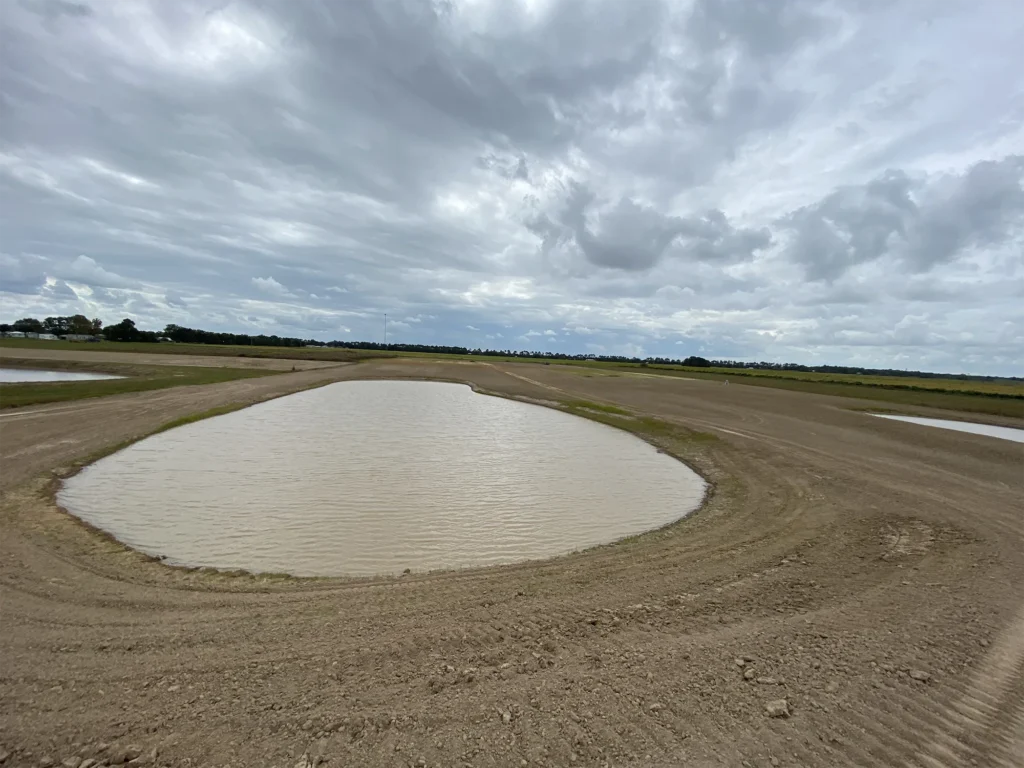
[[134, 358], [862, 576]]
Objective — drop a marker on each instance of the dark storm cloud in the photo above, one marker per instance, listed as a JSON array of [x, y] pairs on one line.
[[983, 207], [632, 236], [923, 223], [649, 171], [851, 225]]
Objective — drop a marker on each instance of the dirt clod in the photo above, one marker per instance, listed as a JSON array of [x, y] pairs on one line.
[[777, 708]]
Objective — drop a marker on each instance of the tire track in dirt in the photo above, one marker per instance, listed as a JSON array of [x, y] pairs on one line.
[[992, 695]]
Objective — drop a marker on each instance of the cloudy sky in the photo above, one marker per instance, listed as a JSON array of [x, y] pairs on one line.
[[791, 180]]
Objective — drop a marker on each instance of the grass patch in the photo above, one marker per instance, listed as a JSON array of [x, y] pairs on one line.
[[194, 417], [654, 426], [648, 425], [644, 426], [587, 405], [138, 378]]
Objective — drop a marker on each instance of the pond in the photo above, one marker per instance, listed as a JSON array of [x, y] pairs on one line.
[[1005, 433], [372, 477], [18, 375]]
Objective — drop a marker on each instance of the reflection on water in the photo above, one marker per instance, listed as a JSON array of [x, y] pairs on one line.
[[11, 375], [1006, 433], [372, 477]]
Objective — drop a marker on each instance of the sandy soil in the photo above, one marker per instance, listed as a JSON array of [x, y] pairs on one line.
[[135, 358], [868, 573]]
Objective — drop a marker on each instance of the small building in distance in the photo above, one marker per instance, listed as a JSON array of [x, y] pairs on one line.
[[80, 337]]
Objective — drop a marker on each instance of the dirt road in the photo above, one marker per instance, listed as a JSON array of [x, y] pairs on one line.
[[868, 573]]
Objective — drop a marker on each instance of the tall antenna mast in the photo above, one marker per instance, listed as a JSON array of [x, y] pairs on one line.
[[385, 330]]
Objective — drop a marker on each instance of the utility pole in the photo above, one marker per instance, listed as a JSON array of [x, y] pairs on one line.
[[385, 330]]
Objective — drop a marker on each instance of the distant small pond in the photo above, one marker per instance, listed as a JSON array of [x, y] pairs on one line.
[[373, 477], [14, 375], [1004, 433]]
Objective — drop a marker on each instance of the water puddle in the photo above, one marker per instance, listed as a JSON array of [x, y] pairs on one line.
[[1005, 433], [18, 375], [373, 477]]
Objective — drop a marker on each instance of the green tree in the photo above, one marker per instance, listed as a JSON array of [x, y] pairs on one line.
[[123, 331], [696, 362], [126, 331], [59, 326], [79, 324], [29, 325], [64, 325]]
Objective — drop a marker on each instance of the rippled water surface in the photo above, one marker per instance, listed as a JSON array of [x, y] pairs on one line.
[[11, 375], [372, 477], [1005, 433]]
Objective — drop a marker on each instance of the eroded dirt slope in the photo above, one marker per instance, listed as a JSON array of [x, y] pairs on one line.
[[868, 573]]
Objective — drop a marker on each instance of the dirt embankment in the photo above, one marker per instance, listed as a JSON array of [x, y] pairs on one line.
[[851, 595], [85, 355]]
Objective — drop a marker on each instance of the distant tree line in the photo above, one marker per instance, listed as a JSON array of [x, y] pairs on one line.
[[59, 326], [127, 331], [80, 325], [196, 336]]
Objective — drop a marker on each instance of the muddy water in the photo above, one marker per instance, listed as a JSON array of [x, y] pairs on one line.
[[363, 478], [11, 375], [1005, 433]]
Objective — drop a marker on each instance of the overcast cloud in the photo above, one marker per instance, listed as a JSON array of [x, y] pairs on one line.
[[790, 180]]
